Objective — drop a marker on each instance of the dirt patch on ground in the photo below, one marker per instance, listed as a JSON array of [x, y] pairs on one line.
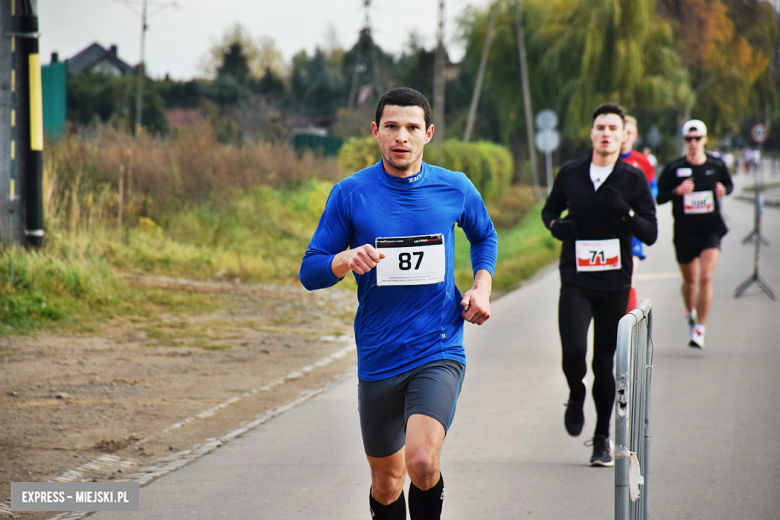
[[122, 401]]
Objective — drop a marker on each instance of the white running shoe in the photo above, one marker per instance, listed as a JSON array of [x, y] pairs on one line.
[[691, 317], [697, 337]]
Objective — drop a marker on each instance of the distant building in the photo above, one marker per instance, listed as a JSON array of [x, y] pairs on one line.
[[95, 58]]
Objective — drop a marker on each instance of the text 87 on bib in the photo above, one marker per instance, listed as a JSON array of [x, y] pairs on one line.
[[416, 260]]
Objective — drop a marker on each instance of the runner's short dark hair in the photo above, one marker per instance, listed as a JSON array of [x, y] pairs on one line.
[[610, 108], [403, 97]]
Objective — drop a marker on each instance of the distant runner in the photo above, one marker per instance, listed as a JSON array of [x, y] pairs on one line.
[[695, 184], [641, 161], [608, 202], [650, 157], [392, 224]]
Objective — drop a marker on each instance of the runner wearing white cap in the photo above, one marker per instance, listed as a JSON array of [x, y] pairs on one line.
[[695, 184]]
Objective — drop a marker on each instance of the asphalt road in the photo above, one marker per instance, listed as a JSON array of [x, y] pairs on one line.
[[715, 450]]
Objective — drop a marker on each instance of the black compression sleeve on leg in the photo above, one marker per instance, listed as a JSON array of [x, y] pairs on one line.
[[609, 310], [575, 311], [394, 511], [426, 505]]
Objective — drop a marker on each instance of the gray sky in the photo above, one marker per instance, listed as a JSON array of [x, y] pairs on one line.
[[177, 39]]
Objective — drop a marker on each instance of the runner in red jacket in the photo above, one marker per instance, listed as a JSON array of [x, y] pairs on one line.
[[637, 160]]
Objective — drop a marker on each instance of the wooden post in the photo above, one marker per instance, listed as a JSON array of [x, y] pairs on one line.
[[481, 73]]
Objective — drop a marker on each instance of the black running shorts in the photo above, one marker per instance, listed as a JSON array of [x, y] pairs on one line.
[[386, 405], [689, 248]]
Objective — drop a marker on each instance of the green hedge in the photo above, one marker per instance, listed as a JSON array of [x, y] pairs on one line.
[[488, 165]]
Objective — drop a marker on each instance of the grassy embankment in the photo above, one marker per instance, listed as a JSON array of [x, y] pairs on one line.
[[248, 215]]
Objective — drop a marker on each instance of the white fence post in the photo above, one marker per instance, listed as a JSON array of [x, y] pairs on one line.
[[634, 365]]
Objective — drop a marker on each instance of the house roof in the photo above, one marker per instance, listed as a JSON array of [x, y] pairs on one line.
[[94, 54]]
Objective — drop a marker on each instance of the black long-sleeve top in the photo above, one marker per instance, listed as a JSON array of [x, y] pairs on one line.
[[705, 177], [573, 190]]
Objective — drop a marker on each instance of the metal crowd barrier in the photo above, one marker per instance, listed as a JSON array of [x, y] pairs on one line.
[[634, 366]]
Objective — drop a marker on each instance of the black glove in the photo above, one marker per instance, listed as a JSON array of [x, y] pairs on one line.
[[564, 228], [611, 197]]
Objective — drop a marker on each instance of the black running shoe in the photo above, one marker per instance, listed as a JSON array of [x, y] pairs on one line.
[[573, 419], [602, 451]]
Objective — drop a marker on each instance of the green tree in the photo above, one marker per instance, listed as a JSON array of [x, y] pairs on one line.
[[324, 89], [181, 94], [414, 68], [364, 64], [501, 105], [316, 85], [609, 50], [231, 88], [91, 97], [271, 85], [727, 46], [103, 98], [260, 53], [234, 63]]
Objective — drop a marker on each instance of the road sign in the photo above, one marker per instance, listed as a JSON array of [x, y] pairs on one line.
[[759, 133], [547, 141], [546, 120]]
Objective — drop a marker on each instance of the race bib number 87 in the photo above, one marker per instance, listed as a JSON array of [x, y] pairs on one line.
[[417, 260], [597, 255]]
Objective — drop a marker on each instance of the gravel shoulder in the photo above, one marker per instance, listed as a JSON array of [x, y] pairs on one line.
[[119, 402]]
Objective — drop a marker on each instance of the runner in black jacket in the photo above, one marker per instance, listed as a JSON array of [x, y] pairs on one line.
[[608, 202]]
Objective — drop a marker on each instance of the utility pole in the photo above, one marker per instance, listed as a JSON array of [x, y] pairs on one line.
[[481, 73], [11, 205], [21, 172], [139, 98], [31, 140], [439, 81], [529, 126]]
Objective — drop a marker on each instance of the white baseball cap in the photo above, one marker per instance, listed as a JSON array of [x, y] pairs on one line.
[[695, 125]]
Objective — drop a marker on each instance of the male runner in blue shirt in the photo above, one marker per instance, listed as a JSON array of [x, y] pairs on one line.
[[392, 225]]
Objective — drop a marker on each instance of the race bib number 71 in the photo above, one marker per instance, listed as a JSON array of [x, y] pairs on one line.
[[417, 260], [597, 255]]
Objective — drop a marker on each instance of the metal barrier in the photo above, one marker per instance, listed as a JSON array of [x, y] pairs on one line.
[[634, 366]]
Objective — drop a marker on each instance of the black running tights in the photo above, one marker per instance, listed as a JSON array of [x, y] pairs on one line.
[[576, 308]]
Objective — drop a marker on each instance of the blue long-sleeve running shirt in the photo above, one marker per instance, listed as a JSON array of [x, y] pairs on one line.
[[400, 327]]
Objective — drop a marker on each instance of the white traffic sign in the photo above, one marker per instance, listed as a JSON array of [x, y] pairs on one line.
[[547, 141], [546, 120], [759, 133]]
